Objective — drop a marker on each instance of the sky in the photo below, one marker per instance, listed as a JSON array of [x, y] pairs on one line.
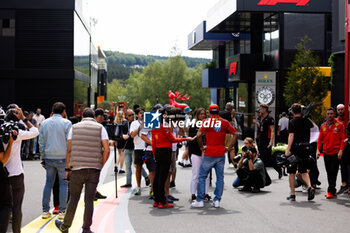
[[148, 27]]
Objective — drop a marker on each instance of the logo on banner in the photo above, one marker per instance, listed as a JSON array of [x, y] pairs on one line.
[[233, 68], [151, 120], [275, 2]]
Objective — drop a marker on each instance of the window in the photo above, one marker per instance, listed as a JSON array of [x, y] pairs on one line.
[[7, 27]]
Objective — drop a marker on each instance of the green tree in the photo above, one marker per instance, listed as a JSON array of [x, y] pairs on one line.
[[305, 83], [153, 84], [106, 105], [115, 91]]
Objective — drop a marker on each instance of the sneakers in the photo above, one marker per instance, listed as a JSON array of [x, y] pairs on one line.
[[245, 189], [167, 199], [165, 206], [126, 186], [137, 192], [61, 215], [147, 181], [98, 195], [121, 171], [45, 215], [207, 197], [255, 190], [215, 204], [155, 204], [172, 184], [197, 204], [342, 189], [329, 195], [291, 198], [151, 195], [310, 194], [60, 226], [173, 198], [193, 197], [181, 164], [56, 210]]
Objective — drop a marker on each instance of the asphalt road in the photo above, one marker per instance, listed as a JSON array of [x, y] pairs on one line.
[[268, 211]]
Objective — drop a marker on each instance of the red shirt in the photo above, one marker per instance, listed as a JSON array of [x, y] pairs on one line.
[[163, 138], [331, 137], [215, 136]]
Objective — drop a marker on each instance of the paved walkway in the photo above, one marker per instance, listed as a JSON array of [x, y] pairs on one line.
[[267, 211]]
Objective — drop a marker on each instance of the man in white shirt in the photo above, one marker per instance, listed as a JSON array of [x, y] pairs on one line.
[[14, 164], [283, 128], [39, 119], [139, 147]]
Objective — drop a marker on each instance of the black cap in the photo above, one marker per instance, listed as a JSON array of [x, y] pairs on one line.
[[99, 111]]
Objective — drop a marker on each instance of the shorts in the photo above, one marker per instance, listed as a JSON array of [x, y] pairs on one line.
[[138, 157], [301, 166], [173, 161], [150, 162]]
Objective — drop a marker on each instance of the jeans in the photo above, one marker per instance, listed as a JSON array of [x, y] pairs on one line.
[[53, 167], [332, 167], [237, 182], [35, 146], [17, 188], [218, 163], [79, 178], [128, 158]]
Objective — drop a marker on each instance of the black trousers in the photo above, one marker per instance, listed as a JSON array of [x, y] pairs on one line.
[[17, 189], [5, 200], [250, 178], [332, 166], [163, 161], [266, 157], [314, 172], [344, 162]]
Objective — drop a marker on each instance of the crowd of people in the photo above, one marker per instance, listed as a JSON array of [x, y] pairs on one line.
[[73, 154]]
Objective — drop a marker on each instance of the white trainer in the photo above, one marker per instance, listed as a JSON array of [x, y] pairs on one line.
[[61, 215], [45, 215], [197, 204], [216, 204]]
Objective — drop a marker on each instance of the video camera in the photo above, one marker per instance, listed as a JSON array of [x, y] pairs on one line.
[[6, 130], [306, 111]]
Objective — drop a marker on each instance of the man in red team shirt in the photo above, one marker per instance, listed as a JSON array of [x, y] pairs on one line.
[[332, 135], [214, 154]]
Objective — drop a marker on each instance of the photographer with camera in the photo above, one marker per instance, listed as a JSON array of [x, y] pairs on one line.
[[14, 163], [251, 171], [299, 148]]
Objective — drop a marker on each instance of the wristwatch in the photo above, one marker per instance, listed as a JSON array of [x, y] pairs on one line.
[[67, 169]]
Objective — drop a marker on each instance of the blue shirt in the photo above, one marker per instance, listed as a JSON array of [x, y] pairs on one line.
[[53, 137]]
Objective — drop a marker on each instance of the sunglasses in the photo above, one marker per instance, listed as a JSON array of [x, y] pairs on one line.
[[131, 115]]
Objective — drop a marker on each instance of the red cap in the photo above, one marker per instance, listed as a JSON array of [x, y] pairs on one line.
[[213, 108]]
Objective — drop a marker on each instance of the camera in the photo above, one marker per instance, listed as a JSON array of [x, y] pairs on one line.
[[6, 130], [237, 158]]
